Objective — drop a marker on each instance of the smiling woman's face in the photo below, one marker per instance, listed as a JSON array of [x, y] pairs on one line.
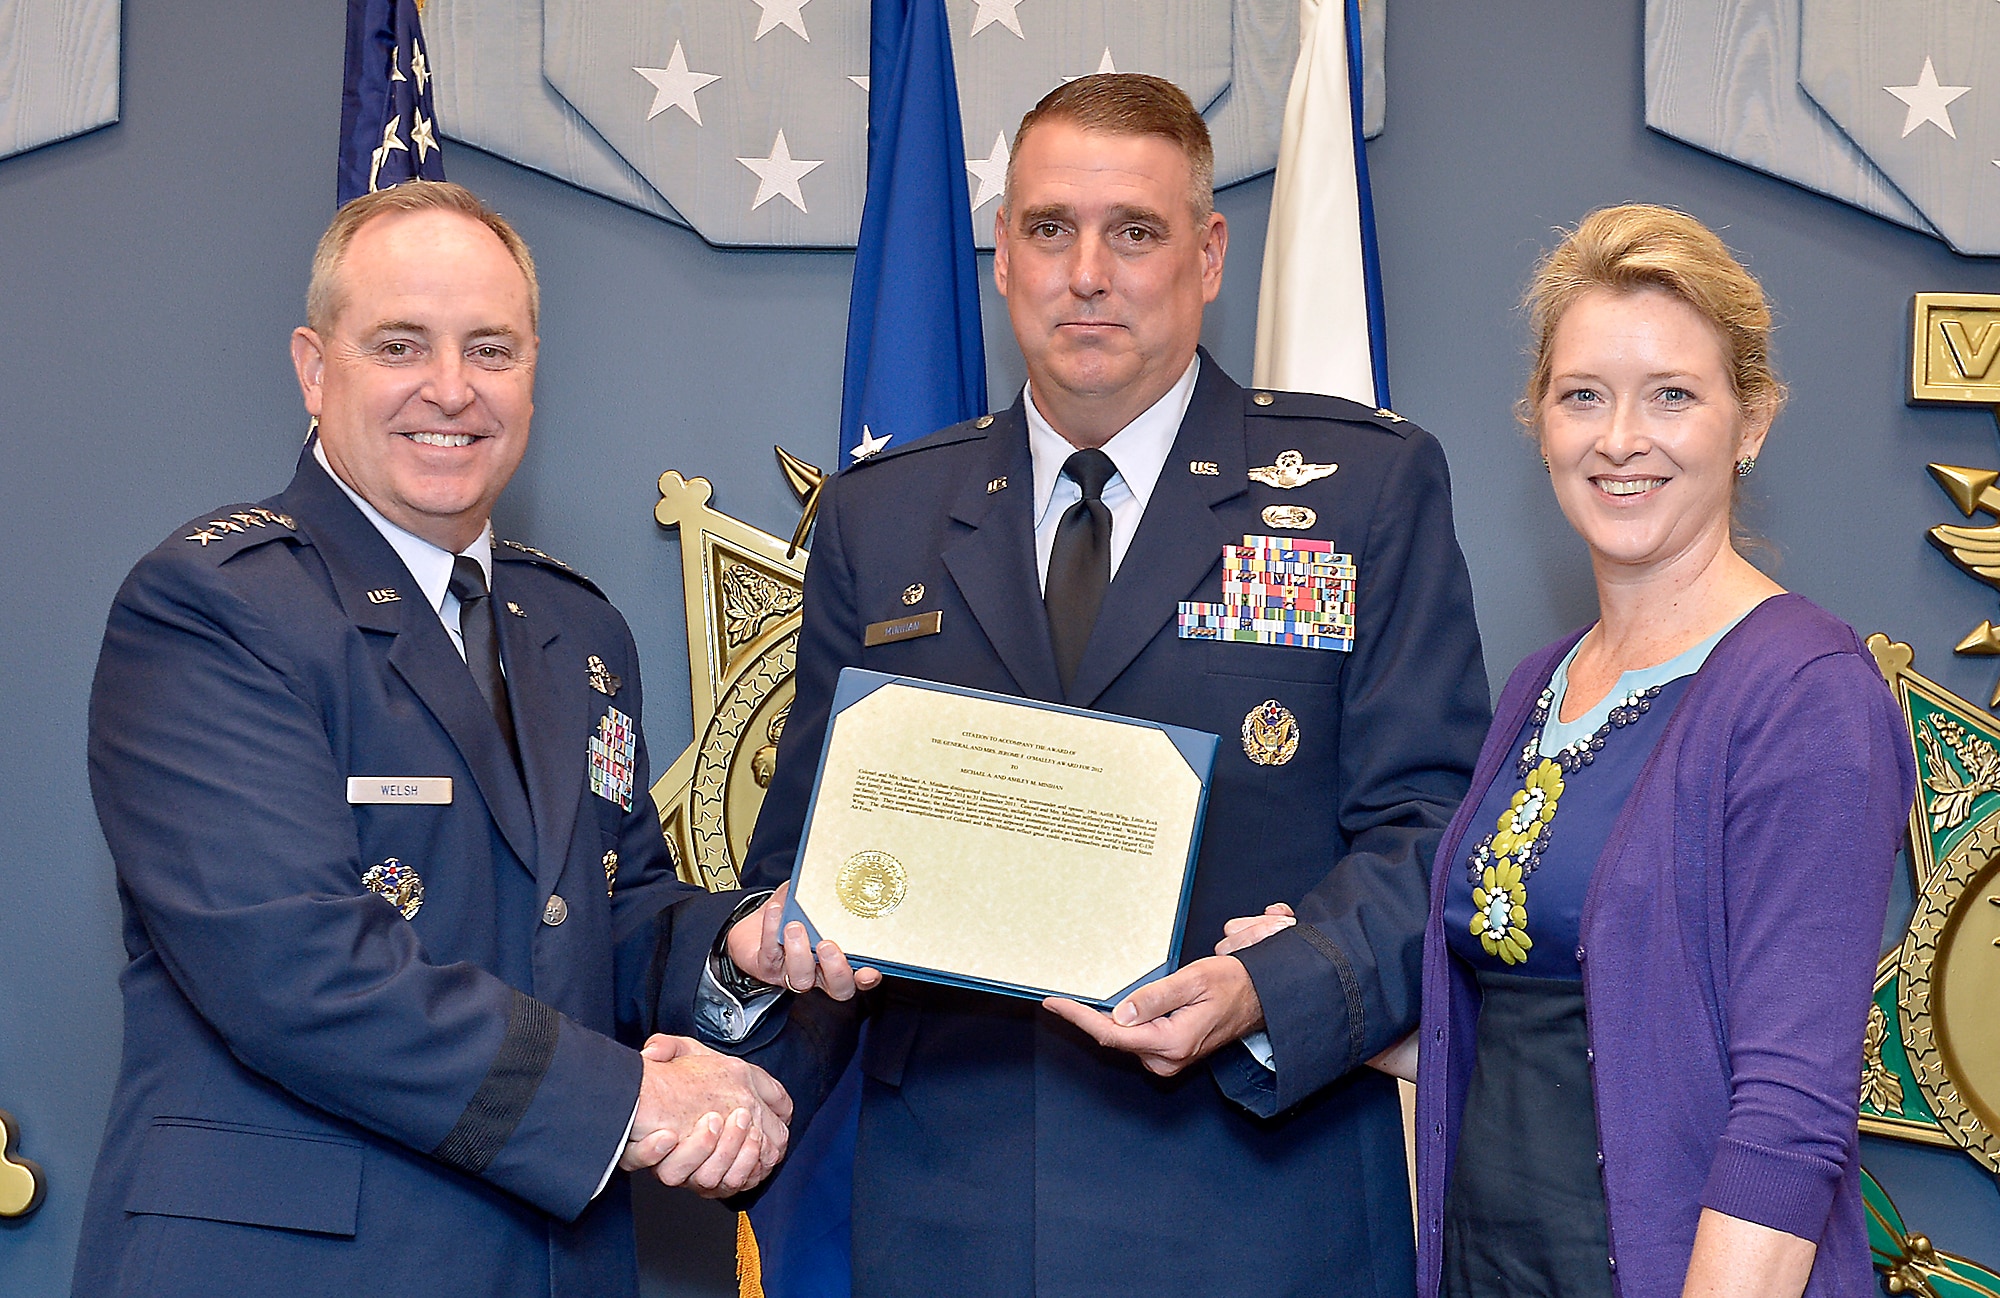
[[1642, 430]]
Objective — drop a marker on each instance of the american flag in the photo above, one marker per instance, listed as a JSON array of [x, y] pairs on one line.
[[388, 125]]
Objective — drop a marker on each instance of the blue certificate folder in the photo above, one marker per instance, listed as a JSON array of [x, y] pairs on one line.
[[1195, 747]]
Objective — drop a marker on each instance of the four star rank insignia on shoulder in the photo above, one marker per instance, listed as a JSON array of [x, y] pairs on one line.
[[218, 529]]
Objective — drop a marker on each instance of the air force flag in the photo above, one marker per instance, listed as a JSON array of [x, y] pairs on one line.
[[915, 358], [388, 126]]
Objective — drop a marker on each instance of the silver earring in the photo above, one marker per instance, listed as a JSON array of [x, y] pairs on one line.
[[1745, 465]]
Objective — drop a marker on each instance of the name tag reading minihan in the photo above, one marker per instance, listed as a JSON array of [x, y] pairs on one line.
[[417, 790], [903, 628]]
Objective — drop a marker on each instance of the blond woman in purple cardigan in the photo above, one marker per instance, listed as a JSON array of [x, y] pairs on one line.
[[1650, 951], [1641, 1038]]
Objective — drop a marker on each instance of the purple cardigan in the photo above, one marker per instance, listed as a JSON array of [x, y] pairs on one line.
[[1729, 948]]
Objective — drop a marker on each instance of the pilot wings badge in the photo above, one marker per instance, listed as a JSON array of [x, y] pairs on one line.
[[1290, 471]]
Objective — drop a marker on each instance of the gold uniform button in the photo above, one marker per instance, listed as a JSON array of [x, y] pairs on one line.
[[984, 421], [1263, 398], [556, 911]]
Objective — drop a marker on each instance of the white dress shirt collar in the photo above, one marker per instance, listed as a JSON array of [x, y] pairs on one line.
[[429, 565], [1139, 449]]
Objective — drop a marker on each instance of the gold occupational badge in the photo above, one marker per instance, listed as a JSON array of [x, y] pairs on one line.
[[1270, 734], [913, 592], [610, 871], [1290, 471], [1290, 517], [871, 884], [602, 679], [397, 884]]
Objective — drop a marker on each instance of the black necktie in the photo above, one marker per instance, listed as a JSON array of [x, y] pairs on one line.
[[482, 646], [1080, 562]]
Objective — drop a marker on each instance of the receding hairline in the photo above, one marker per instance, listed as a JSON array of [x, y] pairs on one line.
[[325, 295]]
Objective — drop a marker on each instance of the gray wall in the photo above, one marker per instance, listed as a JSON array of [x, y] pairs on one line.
[[149, 274]]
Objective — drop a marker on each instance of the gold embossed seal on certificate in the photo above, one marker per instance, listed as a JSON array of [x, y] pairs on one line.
[[984, 841]]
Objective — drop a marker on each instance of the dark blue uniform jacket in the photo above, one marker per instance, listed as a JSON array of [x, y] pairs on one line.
[[1003, 1153], [318, 1095]]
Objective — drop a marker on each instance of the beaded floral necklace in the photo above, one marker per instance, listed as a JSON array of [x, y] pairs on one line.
[[1500, 865]]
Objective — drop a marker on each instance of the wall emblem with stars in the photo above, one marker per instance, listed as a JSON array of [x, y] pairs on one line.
[[747, 120], [1871, 102]]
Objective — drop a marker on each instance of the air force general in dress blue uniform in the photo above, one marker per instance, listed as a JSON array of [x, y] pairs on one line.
[[382, 980], [1002, 1151]]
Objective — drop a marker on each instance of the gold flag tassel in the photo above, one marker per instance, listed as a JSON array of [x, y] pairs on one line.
[[749, 1267]]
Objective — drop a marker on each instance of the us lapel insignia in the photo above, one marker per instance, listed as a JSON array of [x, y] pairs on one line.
[[613, 758], [1290, 471], [1205, 468], [384, 595], [1290, 517], [1270, 734], [397, 884], [601, 678], [997, 484], [515, 609]]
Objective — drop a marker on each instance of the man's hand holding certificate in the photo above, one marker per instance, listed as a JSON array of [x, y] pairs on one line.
[[982, 841]]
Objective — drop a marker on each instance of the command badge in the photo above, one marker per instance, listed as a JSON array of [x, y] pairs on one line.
[[396, 884], [613, 756], [1270, 734], [601, 678], [610, 871], [913, 593], [1290, 517]]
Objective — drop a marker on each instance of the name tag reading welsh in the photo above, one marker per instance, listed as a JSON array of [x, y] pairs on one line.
[[417, 790]]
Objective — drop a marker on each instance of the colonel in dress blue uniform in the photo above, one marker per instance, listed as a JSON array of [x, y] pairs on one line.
[[394, 918], [1005, 1149]]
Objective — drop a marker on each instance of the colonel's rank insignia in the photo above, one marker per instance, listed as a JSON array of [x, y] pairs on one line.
[[397, 884], [1270, 734], [613, 753]]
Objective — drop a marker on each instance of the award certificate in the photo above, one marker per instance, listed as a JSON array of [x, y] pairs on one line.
[[987, 841]]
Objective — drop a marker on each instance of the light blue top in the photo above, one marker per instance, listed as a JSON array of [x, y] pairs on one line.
[[1558, 735]]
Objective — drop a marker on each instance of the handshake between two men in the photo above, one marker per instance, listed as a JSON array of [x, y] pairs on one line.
[[719, 1125], [713, 1123]]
